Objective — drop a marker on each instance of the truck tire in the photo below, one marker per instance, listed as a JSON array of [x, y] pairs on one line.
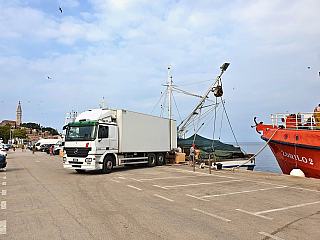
[[152, 160], [107, 164], [160, 159]]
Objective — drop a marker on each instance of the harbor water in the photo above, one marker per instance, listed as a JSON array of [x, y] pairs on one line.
[[265, 161]]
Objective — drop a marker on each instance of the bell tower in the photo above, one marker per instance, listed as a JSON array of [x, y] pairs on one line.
[[19, 115]]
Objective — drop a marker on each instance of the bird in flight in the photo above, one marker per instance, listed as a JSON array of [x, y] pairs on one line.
[[60, 9], [48, 77]]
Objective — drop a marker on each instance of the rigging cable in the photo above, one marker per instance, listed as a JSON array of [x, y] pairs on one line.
[[157, 104], [176, 107], [232, 169], [230, 125], [214, 129]]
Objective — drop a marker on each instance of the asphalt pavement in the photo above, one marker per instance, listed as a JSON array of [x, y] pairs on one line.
[[42, 200]]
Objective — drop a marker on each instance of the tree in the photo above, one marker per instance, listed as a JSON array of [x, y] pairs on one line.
[[20, 133], [5, 133]]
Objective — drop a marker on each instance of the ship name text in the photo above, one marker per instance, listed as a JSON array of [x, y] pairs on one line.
[[296, 157]]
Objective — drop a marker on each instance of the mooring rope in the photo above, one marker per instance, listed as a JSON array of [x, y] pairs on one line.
[[232, 169]]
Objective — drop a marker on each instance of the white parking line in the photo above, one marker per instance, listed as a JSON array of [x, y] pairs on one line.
[[248, 191], [151, 179], [3, 227], [114, 180], [194, 184], [254, 214], [134, 187], [3, 204], [4, 183], [285, 208], [163, 197], [271, 236], [4, 192], [212, 215], [197, 198], [4, 177], [121, 177], [258, 214]]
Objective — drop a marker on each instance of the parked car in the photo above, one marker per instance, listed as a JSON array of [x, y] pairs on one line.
[[3, 151], [47, 148], [3, 161], [57, 147], [4, 146], [42, 147]]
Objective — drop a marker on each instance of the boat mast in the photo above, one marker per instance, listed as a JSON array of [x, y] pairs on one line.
[[169, 92]]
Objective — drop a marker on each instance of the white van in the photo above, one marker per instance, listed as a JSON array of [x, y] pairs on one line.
[[46, 141]]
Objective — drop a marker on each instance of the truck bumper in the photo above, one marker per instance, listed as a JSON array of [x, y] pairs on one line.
[[88, 163]]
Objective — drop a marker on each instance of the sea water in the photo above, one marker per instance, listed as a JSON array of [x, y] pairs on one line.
[[265, 160]]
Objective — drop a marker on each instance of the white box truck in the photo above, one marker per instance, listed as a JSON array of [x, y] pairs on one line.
[[104, 138]]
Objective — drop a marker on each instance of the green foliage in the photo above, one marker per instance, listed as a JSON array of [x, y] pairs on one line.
[[38, 128], [5, 133], [20, 133], [31, 125]]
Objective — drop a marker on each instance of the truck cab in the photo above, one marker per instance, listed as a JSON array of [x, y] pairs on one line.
[[87, 143]]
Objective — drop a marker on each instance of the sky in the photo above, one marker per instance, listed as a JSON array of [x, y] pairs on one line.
[[120, 50]]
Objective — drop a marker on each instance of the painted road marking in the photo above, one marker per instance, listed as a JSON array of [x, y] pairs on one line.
[[151, 179], [4, 192], [121, 177], [285, 208], [258, 214], [3, 204], [114, 180], [4, 183], [3, 227], [134, 187], [194, 184], [212, 215], [197, 198], [271, 236], [254, 214], [4, 177], [248, 191], [163, 197]]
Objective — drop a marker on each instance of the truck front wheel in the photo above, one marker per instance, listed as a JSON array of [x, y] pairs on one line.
[[151, 159], [107, 164]]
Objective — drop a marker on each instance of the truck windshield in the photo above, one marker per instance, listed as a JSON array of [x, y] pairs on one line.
[[81, 133]]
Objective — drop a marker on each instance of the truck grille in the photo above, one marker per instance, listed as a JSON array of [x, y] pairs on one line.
[[77, 152]]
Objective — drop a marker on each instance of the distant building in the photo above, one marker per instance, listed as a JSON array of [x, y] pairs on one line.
[[33, 134], [19, 115], [17, 123]]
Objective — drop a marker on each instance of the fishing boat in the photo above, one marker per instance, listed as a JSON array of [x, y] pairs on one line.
[[294, 139], [222, 155]]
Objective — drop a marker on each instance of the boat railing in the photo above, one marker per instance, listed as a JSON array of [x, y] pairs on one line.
[[306, 121]]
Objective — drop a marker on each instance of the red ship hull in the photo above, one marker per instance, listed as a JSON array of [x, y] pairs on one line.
[[294, 148]]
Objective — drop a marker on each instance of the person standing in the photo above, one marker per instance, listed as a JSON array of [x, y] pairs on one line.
[[22, 147], [192, 155], [316, 115]]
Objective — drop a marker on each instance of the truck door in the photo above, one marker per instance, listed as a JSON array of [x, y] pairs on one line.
[[103, 141]]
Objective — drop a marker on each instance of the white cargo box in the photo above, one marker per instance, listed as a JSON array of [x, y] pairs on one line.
[[145, 133]]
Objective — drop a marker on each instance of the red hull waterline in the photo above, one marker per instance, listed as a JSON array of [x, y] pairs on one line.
[[294, 147]]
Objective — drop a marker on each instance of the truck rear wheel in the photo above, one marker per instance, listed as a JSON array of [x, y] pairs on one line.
[[107, 164], [152, 159], [160, 159]]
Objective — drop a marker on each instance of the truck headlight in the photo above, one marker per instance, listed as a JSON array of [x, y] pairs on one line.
[[64, 159], [88, 160]]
